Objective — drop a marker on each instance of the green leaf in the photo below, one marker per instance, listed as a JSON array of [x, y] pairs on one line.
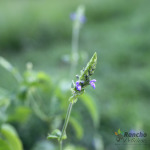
[[119, 131], [11, 137], [5, 64], [21, 114], [4, 145], [64, 136], [72, 147], [56, 134], [91, 107], [4, 102], [77, 127]]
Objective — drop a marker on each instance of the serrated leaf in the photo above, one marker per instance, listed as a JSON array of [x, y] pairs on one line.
[[11, 136], [91, 106], [77, 127]]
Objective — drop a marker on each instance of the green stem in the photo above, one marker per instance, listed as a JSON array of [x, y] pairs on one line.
[[60, 144], [75, 43], [66, 123]]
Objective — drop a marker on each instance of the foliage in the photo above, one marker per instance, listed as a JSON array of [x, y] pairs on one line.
[[33, 88], [40, 32], [10, 139]]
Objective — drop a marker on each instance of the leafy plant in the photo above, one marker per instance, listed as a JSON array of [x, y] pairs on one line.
[[77, 90], [35, 93], [9, 139]]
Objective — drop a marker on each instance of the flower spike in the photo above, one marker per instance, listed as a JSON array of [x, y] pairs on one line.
[[85, 79]]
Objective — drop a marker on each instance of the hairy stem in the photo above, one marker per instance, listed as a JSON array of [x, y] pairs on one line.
[[65, 123]]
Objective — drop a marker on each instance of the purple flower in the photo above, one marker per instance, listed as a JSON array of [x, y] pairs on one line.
[[78, 86], [73, 17], [92, 83]]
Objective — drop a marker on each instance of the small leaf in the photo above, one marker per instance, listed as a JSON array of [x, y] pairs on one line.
[[64, 136], [5, 64], [50, 136], [116, 133], [119, 131], [56, 134]]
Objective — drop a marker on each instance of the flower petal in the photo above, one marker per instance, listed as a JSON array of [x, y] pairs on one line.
[[93, 80], [78, 87], [77, 83], [92, 84]]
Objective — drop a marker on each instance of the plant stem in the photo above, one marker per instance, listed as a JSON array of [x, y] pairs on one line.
[[66, 123], [60, 144], [74, 55]]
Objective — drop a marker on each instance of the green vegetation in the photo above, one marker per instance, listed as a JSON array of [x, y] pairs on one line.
[[40, 32]]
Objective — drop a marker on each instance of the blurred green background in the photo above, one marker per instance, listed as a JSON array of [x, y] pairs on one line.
[[40, 32]]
